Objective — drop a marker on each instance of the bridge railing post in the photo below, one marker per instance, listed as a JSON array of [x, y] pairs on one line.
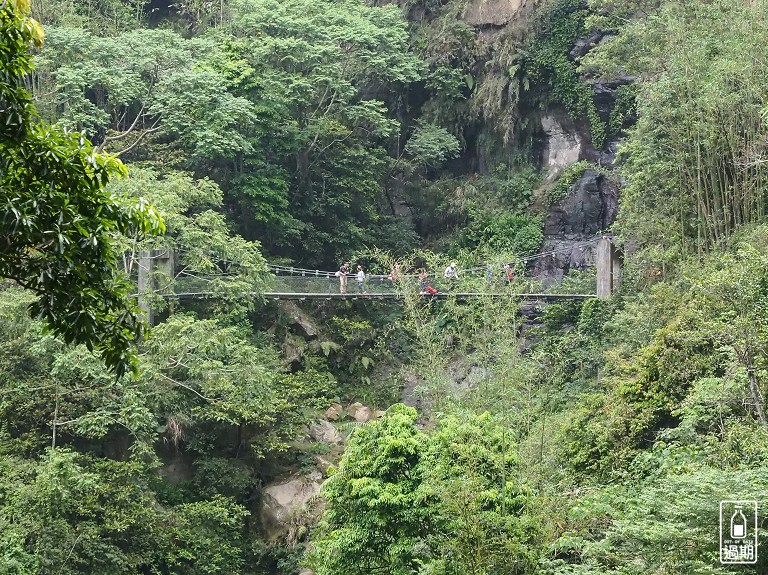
[[164, 262], [150, 263], [608, 267], [145, 284]]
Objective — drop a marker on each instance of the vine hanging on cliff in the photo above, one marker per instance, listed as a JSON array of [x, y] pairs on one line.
[[550, 65]]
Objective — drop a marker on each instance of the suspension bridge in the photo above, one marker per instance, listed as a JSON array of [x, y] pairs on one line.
[[292, 283], [296, 283]]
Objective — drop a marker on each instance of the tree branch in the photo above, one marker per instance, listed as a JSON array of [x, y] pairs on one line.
[[154, 128], [139, 116], [186, 387]]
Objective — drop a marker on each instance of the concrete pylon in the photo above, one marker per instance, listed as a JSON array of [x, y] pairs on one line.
[[608, 266], [150, 263], [616, 258]]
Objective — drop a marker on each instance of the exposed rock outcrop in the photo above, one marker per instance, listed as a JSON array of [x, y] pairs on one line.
[[409, 396], [292, 348], [282, 501], [563, 143], [324, 431], [300, 322], [605, 93], [496, 12], [360, 412], [589, 208], [584, 45], [177, 467]]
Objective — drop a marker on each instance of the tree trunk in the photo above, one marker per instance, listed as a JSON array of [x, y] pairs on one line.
[[755, 391]]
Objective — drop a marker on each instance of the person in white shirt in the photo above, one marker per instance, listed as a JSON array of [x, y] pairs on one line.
[[451, 273], [360, 279]]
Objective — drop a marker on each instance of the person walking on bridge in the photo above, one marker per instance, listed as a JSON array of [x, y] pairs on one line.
[[360, 280], [509, 273], [343, 274], [423, 282], [451, 273], [396, 273]]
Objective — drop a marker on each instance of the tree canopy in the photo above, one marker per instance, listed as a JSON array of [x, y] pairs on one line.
[[58, 217]]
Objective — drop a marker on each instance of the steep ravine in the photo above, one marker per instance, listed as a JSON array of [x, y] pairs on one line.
[[588, 208]]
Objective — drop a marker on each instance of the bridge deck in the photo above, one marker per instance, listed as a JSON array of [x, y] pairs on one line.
[[392, 295], [439, 295]]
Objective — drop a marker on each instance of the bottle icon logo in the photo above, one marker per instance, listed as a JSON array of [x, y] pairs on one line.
[[738, 524], [738, 532]]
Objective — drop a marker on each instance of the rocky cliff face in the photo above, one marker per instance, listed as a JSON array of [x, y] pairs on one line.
[[563, 143], [496, 13], [588, 209], [590, 206]]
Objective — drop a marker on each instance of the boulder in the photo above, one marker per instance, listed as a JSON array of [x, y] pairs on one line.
[[410, 395], [463, 374], [325, 432], [282, 501], [353, 407], [334, 412], [301, 323], [457, 369], [292, 348], [360, 412], [475, 375], [378, 414], [323, 463], [363, 415]]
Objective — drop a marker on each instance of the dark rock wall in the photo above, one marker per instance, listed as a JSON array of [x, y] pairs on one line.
[[588, 209], [591, 205]]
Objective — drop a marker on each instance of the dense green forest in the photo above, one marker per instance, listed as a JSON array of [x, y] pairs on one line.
[[236, 434]]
